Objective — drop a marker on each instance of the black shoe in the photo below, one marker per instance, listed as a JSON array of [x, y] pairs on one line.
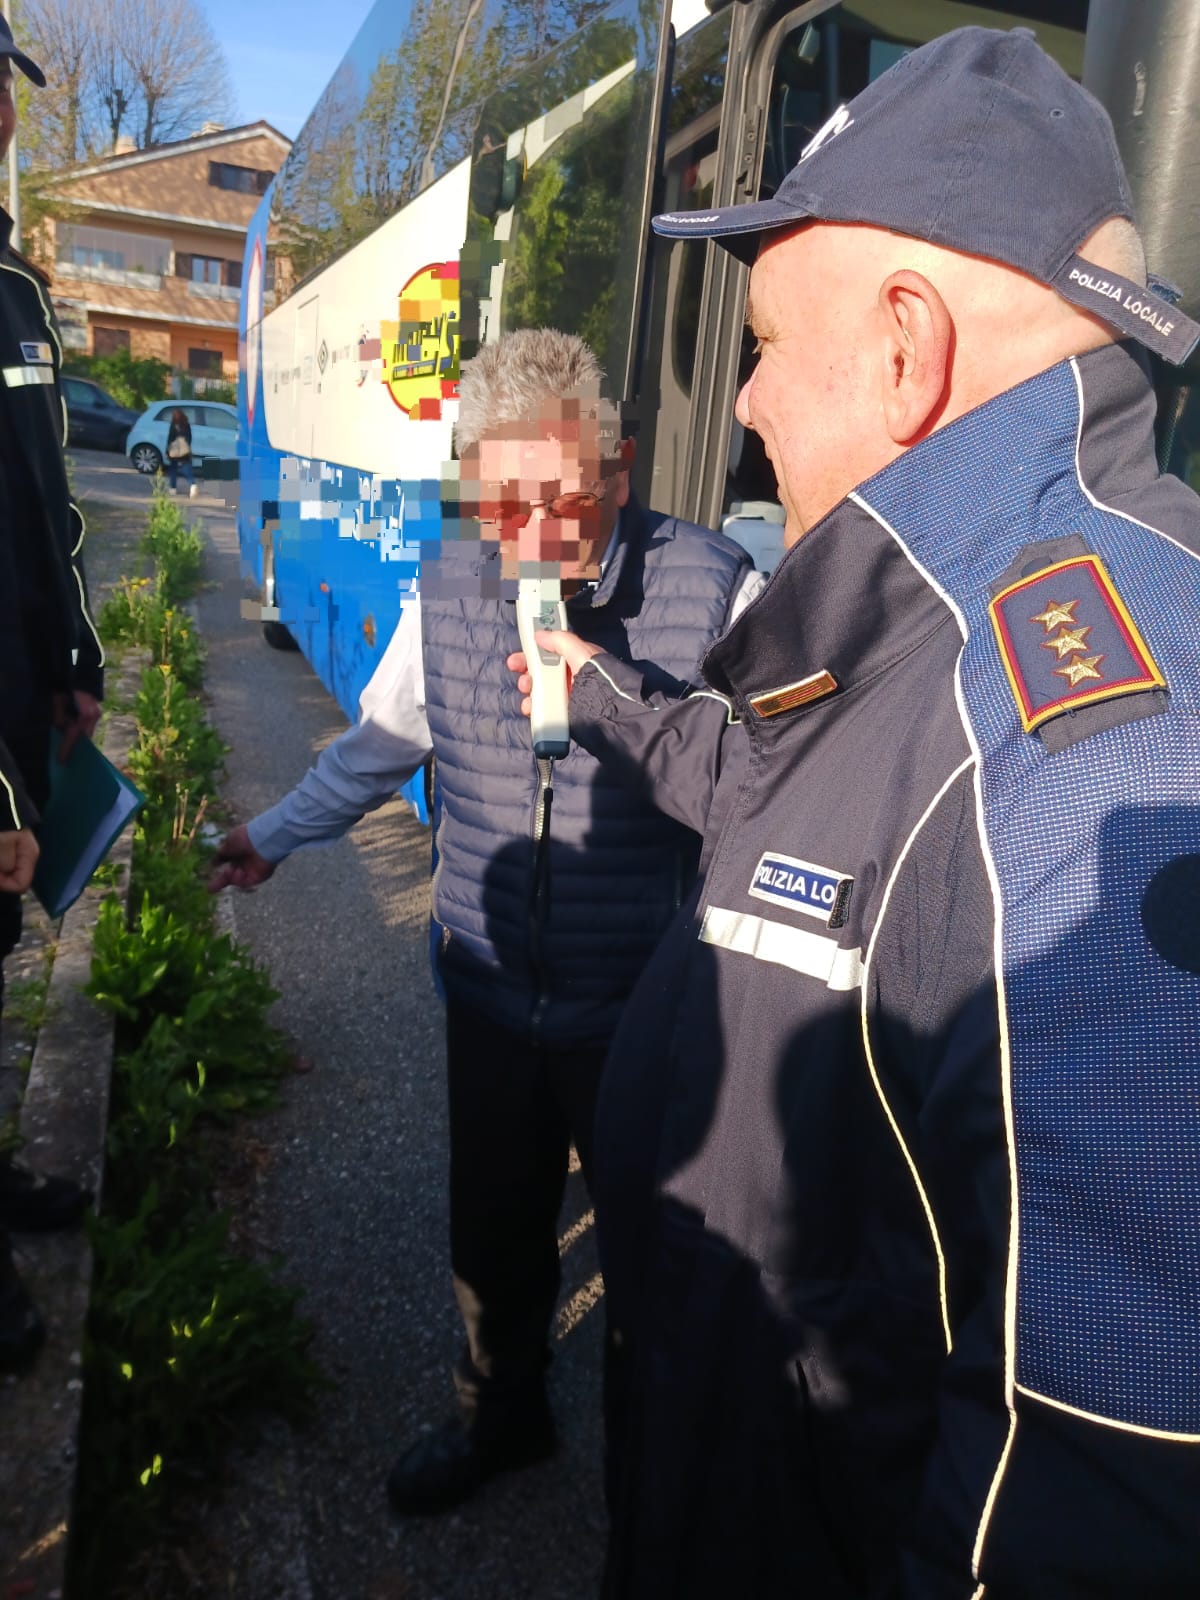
[[30, 1202], [21, 1327], [449, 1464]]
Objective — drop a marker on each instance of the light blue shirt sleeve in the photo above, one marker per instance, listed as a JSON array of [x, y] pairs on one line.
[[752, 585], [363, 768]]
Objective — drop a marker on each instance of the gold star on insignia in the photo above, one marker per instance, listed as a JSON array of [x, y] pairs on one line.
[[1082, 667], [1057, 611], [1068, 639]]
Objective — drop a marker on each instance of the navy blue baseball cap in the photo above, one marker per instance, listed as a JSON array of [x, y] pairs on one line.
[[7, 48], [979, 142]]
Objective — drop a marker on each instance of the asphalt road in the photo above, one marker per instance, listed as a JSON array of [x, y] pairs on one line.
[[353, 1188]]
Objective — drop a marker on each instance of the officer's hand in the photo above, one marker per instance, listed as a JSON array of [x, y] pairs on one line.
[[18, 857], [574, 651], [75, 716], [240, 864]]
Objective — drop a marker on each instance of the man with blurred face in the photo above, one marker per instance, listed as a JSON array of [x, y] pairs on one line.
[[553, 880], [904, 1272], [554, 498], [50, 656]]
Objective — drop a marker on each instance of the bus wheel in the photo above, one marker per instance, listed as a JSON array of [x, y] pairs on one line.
[[278, 637]]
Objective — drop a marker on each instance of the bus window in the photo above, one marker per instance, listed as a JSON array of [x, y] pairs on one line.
[[692, 124], [398, 113], [693, 119], [821, 64], [557, 194]]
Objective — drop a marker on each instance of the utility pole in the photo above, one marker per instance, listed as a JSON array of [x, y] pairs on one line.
[[14, 192]]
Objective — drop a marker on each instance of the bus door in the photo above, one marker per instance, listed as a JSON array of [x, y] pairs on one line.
[[773, 73], [560, 198]]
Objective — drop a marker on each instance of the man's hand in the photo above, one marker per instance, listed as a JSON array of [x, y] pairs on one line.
[[75, 716], [241, 865], [574, 651], [18, 857]]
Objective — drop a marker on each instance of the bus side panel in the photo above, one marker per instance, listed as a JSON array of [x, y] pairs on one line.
[[359, 366]]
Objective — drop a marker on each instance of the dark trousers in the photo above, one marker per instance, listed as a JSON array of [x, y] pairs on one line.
[[29, 746], [515, 1108]]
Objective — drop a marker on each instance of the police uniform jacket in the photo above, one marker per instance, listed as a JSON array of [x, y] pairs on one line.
[[899, 1142], [47, 638]]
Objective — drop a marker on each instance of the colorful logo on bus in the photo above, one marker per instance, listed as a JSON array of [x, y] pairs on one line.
[[420, 350]]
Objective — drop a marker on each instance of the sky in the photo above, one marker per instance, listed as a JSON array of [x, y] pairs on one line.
[[282, 53]]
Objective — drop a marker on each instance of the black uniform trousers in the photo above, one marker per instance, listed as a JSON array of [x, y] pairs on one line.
[[515, 1109], [29, 746]]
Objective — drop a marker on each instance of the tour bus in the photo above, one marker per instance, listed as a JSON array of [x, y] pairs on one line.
[[476, 166]]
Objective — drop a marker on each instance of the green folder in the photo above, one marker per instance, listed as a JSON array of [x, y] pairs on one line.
[[90, 803]]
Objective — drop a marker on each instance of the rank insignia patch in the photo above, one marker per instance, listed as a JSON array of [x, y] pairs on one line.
[[1067, 640], [793, 695], [801, 886]]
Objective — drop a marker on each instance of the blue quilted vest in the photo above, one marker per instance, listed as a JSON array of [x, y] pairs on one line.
[[558, 961]]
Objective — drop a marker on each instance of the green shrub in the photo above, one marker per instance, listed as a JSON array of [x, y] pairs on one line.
[[133, 381], [186, 1339], [177, 752], [177, 550], [136, 613]]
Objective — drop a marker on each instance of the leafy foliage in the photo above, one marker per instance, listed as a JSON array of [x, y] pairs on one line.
[[176, 549], [187, 1339], [184, 1335], [134, 381]]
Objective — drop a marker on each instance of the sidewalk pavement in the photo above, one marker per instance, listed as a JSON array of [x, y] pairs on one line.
[[63, 1123]]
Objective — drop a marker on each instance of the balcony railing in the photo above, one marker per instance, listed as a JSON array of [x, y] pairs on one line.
[[123, 277], [213, 291]]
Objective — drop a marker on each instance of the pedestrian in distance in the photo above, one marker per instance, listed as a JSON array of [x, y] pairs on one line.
[[179, 452], [898, 1148], [545, 913], [51, 660]]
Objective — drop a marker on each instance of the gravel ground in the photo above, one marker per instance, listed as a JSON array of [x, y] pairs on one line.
[[351, 1188]]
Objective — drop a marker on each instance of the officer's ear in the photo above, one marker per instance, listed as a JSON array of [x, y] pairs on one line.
[[917, 348]]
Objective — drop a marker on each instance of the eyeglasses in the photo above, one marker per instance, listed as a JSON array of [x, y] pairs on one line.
[[569, 507]]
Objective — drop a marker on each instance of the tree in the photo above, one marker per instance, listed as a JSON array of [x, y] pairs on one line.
[[56, 126], [151, 69], [178, 70]]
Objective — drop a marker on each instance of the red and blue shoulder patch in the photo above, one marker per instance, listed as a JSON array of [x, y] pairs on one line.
[[1067, 640]]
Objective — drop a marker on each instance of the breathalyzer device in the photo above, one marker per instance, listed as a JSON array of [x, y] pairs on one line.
[[540, 605]]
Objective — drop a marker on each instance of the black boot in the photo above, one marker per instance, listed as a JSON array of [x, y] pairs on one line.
[[31, 1202], [21, 1327], [448, 1465]]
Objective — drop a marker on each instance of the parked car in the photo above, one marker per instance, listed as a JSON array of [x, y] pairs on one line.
[[214, 433], [94, 419]]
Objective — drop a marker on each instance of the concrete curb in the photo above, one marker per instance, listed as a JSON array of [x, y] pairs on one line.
[[64, 1121]]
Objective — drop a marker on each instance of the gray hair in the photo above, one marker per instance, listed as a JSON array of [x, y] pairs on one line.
[[508, 381]]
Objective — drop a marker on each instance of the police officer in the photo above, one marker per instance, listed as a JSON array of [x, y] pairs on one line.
[[50, 656], [899, 1190]]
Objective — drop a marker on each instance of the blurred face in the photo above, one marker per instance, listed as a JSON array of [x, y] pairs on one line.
[[8, 107], [809, 398], [549, 490]]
